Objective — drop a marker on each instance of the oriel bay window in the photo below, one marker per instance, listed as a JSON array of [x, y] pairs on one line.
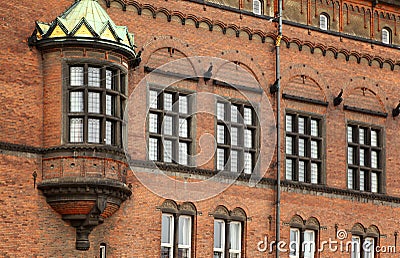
[[169, 124], [96, 97], [236, 133], [364, 158], [303, 147]]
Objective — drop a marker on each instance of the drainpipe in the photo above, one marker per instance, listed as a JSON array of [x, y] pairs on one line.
[[278, 128]]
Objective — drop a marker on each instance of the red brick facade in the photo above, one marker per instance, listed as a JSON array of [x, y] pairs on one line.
[[315, 65]]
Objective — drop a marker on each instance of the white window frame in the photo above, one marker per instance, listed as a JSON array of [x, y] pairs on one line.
[[103, 250], [306, 245], [220, 250], [257, 7], [323, 21], [369, 251], [187, 232], [386, 36], [296, 254], [355, 247], [237, 252], [169, 245]]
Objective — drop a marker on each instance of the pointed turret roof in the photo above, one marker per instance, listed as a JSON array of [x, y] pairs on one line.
[[84, 20]]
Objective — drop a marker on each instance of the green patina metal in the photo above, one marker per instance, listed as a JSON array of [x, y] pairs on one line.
[[84, 19]]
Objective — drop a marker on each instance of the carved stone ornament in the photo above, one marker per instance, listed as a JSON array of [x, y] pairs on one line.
[[97, 199]]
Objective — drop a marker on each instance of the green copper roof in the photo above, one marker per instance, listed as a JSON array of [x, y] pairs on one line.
[[85, 18]]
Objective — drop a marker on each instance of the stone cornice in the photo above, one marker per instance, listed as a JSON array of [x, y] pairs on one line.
[[253, 33], [5, 146]]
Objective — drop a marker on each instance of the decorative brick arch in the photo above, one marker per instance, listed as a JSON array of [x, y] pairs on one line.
[[248, 63], [310, 77], [222, 211], [358, 229], [363, 92], [312, 223], [165, 41], [296, 221], [372, 231]]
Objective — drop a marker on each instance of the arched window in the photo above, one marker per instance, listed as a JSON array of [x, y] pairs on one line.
[[303, 237], [363, 241], [386, 36], [324, 21], [177, 229], [228, 232], [257, 7]]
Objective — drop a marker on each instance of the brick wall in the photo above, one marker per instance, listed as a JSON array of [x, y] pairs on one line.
[[31, 116]]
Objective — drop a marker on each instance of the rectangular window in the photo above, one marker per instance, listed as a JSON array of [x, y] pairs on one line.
[[76, 101], [235, 136], [103, 251], [169, 112], [294, 245], [308, 244], [76, 130], [167, 236], [110, 105], [234, 114], [153, 99], [183, 153], [289, 123], [185, 232], [221, 134], [221, 111], [109, 133], [94, 102], [220, 159], [219, 238], [248, 116], [110, 80], [369, 248], [374, 182], [364, 151], [235, 239], [355, 247], [183, 104], [350, 178], [289, 170], [234, 161], [168, 101], [76, 76], [303, 148], [93, 130], [168, 125], [183, 128], [153, 123], [153, 149], [167, 151], [248, 163], [314, 173], [302, 169], [236, 133], [94, 77], [248, 138]]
